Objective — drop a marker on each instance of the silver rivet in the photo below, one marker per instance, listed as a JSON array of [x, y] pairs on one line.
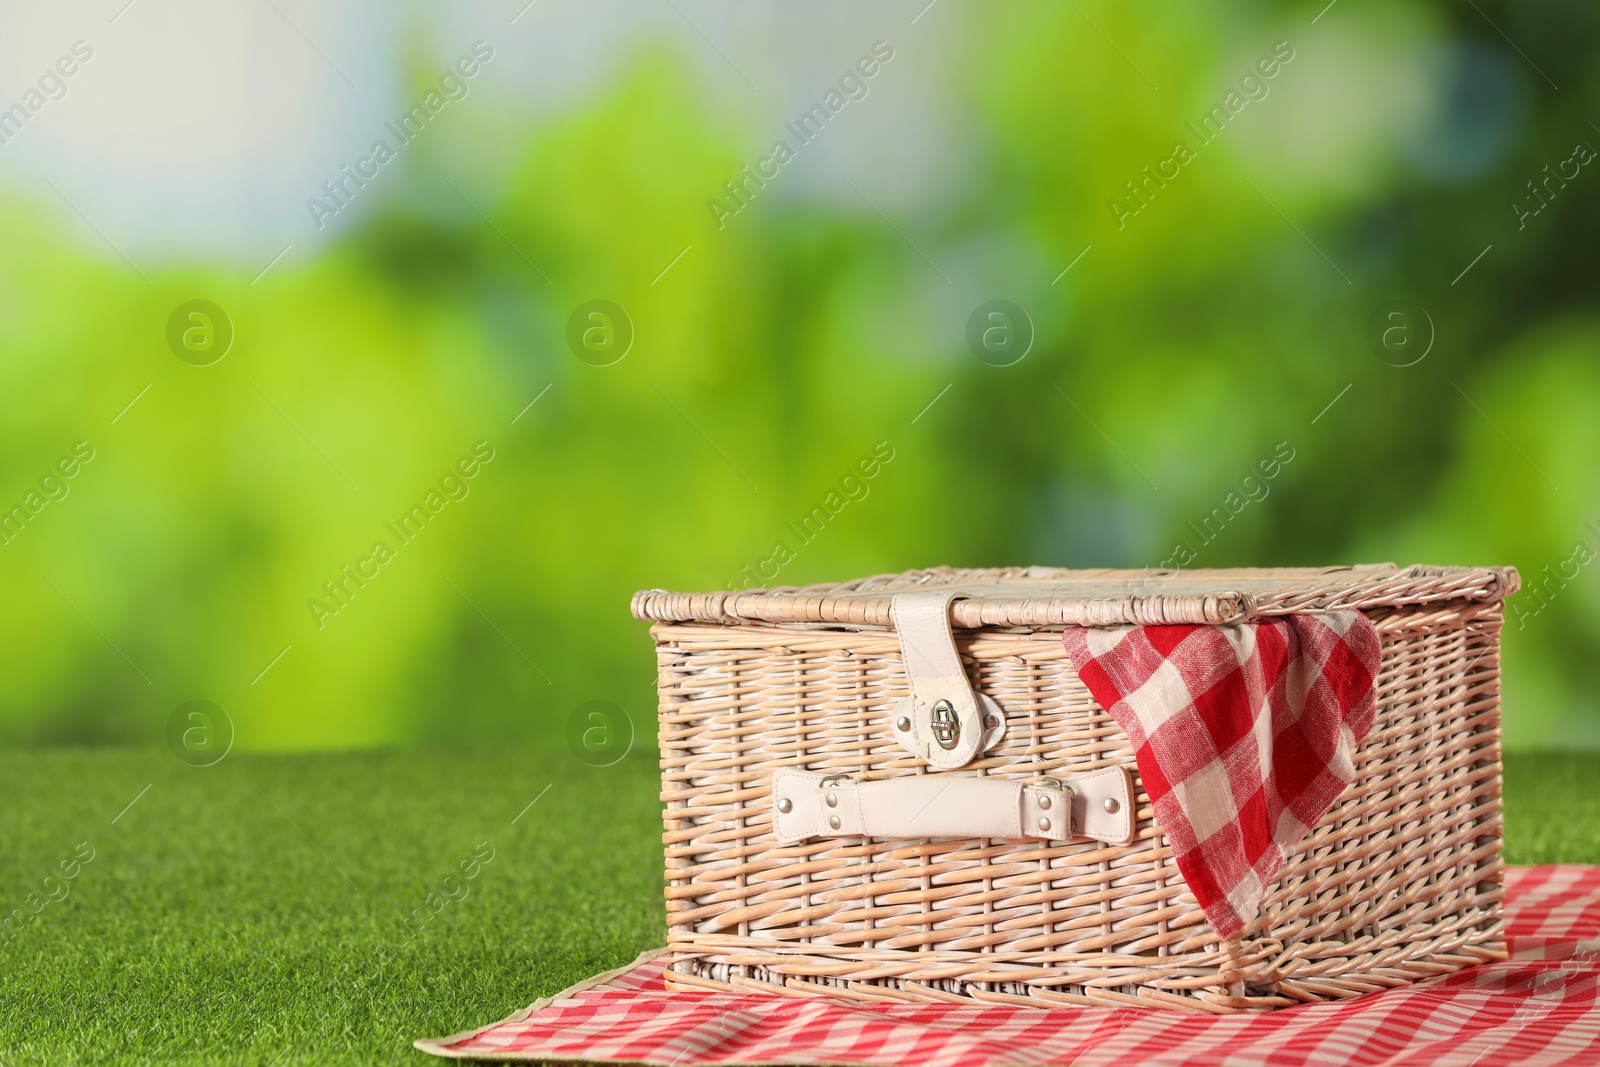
[[786, 805], [1044, 800], [1044, 824], [902, 724], [833, 801], [1111, 805], [990, 722], [834, 822]]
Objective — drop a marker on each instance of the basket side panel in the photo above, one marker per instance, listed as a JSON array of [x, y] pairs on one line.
[[738, 704], [1408, 862]]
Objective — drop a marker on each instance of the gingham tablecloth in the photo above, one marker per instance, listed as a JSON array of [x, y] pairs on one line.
[[1538, 1009]]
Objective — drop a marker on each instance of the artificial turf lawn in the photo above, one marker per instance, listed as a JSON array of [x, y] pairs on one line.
[[212, 925]]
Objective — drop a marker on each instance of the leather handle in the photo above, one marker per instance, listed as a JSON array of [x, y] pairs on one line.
[[942, 721], [1097, 805]]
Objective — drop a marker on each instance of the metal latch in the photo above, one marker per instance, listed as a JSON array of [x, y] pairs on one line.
[[944, 720], [946, 727]]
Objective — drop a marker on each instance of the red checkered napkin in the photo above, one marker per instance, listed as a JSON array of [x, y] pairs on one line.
[[1537, 1009], [1243, 734]]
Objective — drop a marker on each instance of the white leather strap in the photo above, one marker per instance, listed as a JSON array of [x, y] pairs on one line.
[[943, 714], [1097, 805]]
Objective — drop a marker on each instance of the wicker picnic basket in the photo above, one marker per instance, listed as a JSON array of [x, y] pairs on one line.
[[1400, 881]]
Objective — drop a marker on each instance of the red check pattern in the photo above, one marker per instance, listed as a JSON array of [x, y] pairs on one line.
[[1538, 1009], [1244, 736]]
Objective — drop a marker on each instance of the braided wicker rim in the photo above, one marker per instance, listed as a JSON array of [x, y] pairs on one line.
[[1152, 597]]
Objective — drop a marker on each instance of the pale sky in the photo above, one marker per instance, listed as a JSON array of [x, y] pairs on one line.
[[197, 131]]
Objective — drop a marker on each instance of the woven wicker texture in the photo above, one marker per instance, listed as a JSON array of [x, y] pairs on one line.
[[1400, 881], [1049, 596]]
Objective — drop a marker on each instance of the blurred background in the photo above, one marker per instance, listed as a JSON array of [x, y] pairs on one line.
[[370, 446]]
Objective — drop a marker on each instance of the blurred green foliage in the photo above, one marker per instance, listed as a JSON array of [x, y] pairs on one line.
[[1180, 350]]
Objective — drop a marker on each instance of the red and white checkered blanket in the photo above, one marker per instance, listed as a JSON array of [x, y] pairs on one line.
[[1538, 1009], [1243, 734]]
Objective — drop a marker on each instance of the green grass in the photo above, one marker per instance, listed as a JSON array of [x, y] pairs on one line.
[[207, 929], [1552, 808]]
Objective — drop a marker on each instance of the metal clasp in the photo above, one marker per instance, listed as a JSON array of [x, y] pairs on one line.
[[946, 725], [1055, 783], [945, 713]]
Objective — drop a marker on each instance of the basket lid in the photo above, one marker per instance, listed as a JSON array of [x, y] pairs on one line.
[[1056, 596]]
